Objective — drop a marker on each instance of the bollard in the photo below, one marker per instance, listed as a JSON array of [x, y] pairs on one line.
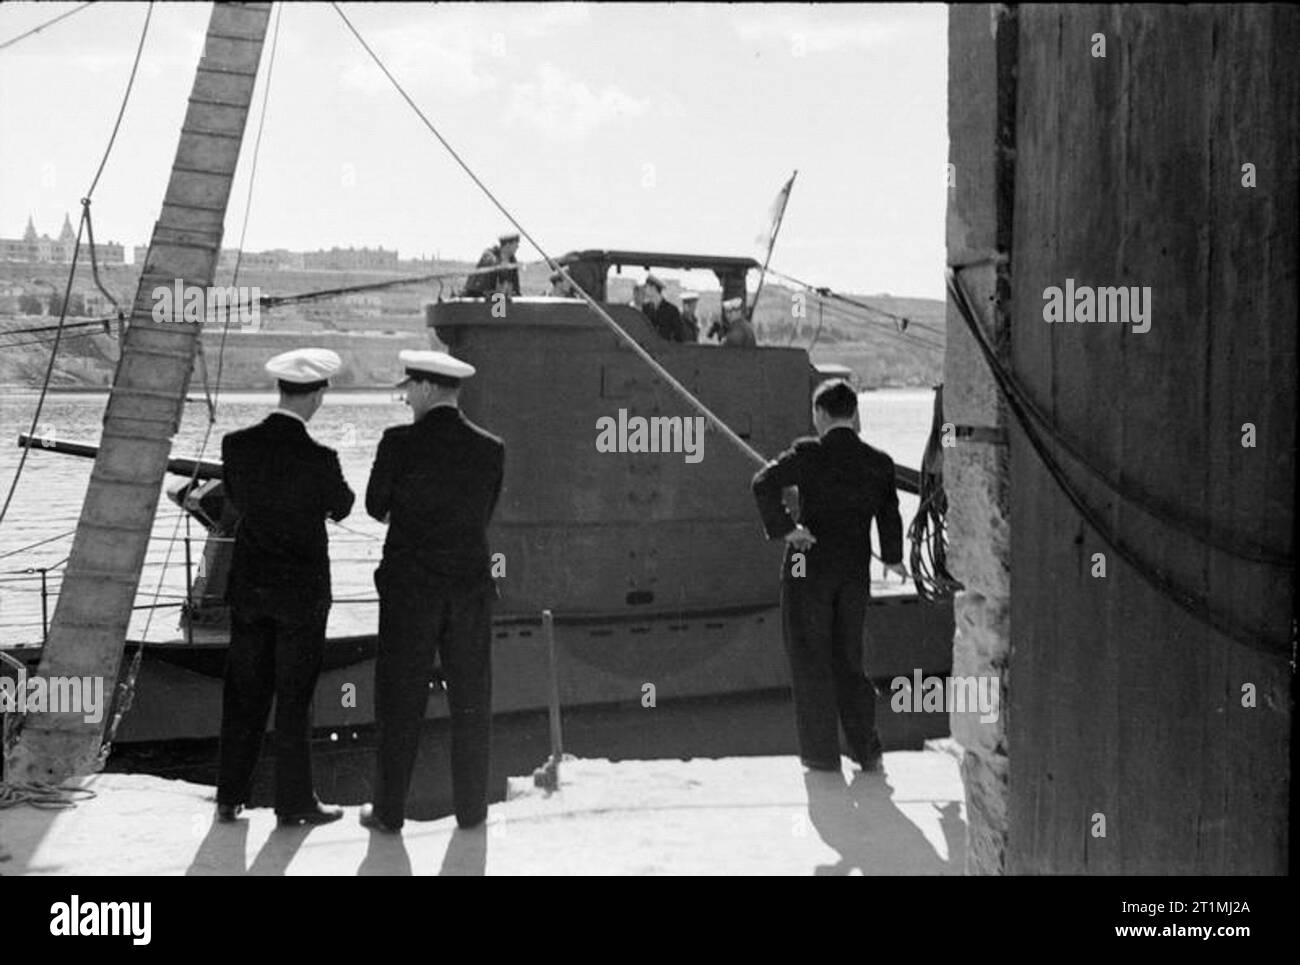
[[548, 775], [187, 608]]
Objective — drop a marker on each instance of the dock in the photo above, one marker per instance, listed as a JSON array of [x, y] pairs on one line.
[[733, 816]]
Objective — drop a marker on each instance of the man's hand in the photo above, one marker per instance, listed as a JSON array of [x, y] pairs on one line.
[[899, 569], [800, 538]]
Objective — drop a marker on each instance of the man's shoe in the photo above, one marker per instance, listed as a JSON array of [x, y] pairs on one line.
[[319, 814], [369, 819], [227, 813]]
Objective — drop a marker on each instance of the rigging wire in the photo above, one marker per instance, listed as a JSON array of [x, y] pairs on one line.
[[265, 302], [842, 314], [98, 323], [902, 322], [32, 546], [49, 370], [48, 23], [645, 356], [850, 311], [72, 269]]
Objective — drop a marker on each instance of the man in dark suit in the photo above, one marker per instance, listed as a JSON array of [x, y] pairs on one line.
[[283, 485], [842, 484], [662, 313], [690, 323], [435, 483], [506, 279]]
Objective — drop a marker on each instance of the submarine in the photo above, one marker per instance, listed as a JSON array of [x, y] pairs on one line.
[[654, 567]]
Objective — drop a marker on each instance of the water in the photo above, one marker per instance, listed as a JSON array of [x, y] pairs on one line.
[[50, 492]]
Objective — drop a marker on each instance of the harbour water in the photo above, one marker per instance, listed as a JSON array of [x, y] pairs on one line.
[[50, 492]]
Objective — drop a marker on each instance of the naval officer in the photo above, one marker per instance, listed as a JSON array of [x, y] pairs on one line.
[[435, 483], [284, 485], [502, 257], [843, 484], [661, 313]]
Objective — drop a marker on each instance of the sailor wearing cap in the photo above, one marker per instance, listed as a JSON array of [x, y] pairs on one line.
[[739, 333], [283, 485], [559, 287], [506, 280], [662, 313], [436, 483], [690, 322]]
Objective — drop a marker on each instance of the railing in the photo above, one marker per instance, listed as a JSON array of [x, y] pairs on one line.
[[50, 582]]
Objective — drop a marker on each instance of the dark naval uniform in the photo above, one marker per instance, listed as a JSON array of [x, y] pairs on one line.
[[690, 328], [486, 284], [667, 320], [843, 484], [436, 483], [283, 485]]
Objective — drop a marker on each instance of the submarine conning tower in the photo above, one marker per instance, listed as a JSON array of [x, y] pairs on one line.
[[622, 533]]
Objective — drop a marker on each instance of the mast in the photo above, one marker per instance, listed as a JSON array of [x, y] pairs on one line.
[[87, 636]]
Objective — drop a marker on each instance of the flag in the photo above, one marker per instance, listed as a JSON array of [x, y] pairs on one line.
[[767, 238]]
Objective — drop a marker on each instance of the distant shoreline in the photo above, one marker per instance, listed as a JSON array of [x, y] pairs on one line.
[[22, 388], [104, 389]]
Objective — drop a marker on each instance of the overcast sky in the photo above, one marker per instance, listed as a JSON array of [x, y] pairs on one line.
[[651, 126]]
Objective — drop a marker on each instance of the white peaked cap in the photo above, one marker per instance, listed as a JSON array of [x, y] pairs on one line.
[[690, 296], [305, 365], [433, 363]]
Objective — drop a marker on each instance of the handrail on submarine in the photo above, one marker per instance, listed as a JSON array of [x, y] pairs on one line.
[[195, 468], [907, 479]]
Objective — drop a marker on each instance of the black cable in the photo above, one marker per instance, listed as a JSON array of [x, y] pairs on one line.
[[99, 322], [72, 268], [49, 372], [126, 97], [829, 297], [1158, 509], [903, 320], [48, 23], [1191, 603], [910, 341]]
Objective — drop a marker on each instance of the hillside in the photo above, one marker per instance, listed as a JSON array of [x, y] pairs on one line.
[[867, 343]]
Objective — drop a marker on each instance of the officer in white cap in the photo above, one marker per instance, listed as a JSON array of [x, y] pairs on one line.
[[690, 321], [502, 255], [435, 483], [284, 485]]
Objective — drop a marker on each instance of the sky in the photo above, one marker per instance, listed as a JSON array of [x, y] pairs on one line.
[[662, 127]]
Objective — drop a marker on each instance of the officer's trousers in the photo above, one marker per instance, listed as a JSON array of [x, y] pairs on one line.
[[418, 624], [823, 619], [270, 656]]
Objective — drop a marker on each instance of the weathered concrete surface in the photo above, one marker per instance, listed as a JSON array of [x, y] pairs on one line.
[[975, 469], [757, 815]]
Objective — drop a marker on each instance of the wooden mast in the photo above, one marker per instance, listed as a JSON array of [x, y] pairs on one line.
[[88, 633]]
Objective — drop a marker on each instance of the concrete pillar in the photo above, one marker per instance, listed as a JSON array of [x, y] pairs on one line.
[[981, 129]]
